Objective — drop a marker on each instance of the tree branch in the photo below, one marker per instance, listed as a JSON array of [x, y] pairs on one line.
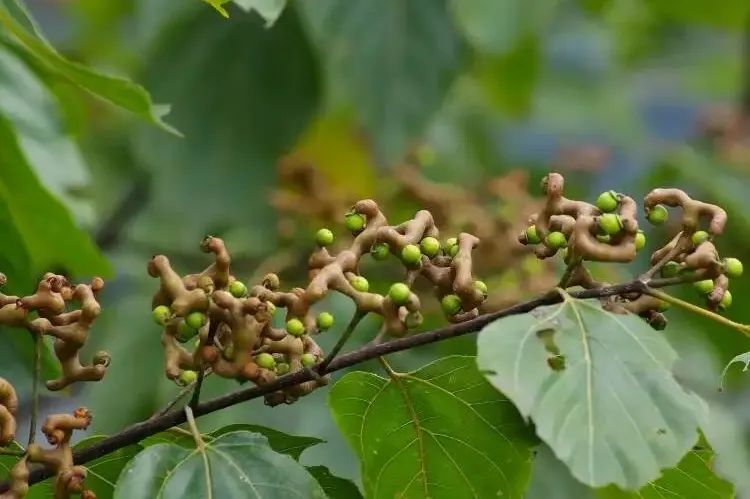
[[137, 432]]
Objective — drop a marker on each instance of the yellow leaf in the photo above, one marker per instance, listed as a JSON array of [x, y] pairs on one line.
[[218, 5]]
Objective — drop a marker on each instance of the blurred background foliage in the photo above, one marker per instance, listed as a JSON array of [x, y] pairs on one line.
[[285, 125]]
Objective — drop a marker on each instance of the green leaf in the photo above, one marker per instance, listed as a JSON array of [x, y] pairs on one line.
[[441, 431], [219, 6], [335, 487], [292, 445], [269, 10], [599, 388], [7, 462], [118, 91], [724, 14], [397, 60], [237, 464], [743, 358]]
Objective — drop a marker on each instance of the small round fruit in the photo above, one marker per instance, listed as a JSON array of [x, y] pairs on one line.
[[228, 352], [413, 319], [726, 300], [670, 269], [195, 320], [555, 240], [380, 251], [324, 321], [360, 283], [640, 240], [733, 267], [610, 223], [452, 250], [699, 237], [399, 293], [354, 222], [324, 237], [187, 377], [603, 238], [430, 246], [607, 201], [265, 360], [481, 286], [295, 327], [705, 286], [271, 308], [238, 289], [451, 304], [663, 306], [411, 254], [532, 237], [184, 332], [308, 359], [282, 368], [658, 214], [161, 314]]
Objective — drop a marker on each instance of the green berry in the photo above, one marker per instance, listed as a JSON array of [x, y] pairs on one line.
[[658, 214], [265, 360], [360, 283], [161, 314], [726, 300], [610, 223], [308, 359], [411, 254], [228, 352], [670, 269], [399, 293], [430, 246], [195, 320], [295, 327], [187, 377], [733, 267], [481, 286], [282, 368], [640, 240], [324, 321], [451, 247], [451, 304], [603, 238], [705, 286], [238, 289], [663, 306], [413, 319], [532, 237], [452, 250], [699, 237], [555, 240], [271, 308], [380, 251], [354, 222], [324, 237], [607, 201], [184, 332]]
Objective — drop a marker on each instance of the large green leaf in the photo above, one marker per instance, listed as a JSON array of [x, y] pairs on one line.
[[441, 431], [284, 443], [269, 10], [7, 462], [237, 464], [335, 487], [395, 59], [599, 388]]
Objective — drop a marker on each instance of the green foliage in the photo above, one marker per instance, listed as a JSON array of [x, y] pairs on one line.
[[269, 10], [440, 431], [609, 406], [335, 487]]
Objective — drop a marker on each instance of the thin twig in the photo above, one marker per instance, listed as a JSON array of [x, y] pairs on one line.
[[358, 316], [195, 398], [743, 328], [138, 431], [38, 338], [676, 250]]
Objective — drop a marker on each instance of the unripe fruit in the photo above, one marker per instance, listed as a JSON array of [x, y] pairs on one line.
[[380, 251], [413, 319], [726, 300], [399, 293], [282, 368], [640, 240], [670, 269], [658, 214], [481, 286], [354, 222], [555, 240], [360, 283], [265, 360], [308, 359], [195, 320], [324, 321], [411, 254], [705, 286], [324, 237], [187, 377], [603, 238], [610, 223], [733, 267], [451, 247], [663, 306], [607, 201], [228, 352], [161, 314], [295, 327], [271, 308], [532, 237], [699, 237], [430, 246], [184, 332], [451, 304], [238, 289]]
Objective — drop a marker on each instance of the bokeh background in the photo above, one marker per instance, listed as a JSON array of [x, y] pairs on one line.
[[459, 106]]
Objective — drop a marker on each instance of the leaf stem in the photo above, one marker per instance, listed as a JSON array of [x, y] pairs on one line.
[[38, 338], [743, 328], [194, 432], [195, 398]]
